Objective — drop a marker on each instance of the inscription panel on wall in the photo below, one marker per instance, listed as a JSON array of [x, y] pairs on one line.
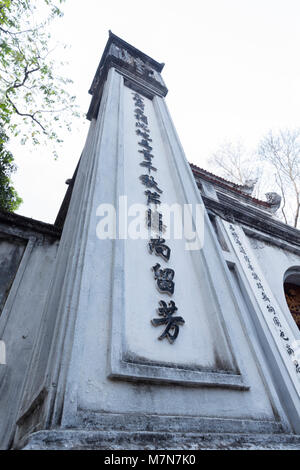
[[271, 311], [169, 328]]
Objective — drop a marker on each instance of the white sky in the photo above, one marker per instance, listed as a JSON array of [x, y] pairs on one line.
[[232, 70]]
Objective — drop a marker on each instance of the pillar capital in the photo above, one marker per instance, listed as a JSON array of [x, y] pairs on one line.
[[140, 72]]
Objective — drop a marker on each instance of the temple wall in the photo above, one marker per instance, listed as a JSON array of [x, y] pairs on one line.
[[258, 263], [86, 364], [26, 262], [275, 262]]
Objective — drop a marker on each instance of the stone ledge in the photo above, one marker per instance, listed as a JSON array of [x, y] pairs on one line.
[[120, 440], [136, 422]]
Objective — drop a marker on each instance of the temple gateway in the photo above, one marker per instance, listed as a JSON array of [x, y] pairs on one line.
[[161, 310]]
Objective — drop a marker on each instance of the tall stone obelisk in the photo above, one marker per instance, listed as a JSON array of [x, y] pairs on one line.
[[142, 342]]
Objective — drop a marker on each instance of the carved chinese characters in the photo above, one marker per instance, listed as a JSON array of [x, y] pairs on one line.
[[172, 329], [160, 248], [163, 276], [265, 298]]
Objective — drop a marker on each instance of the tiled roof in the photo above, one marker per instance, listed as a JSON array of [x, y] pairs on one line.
[[229, 185]]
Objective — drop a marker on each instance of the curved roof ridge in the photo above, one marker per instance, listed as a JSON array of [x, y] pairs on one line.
[[217, 176], [228, 185]]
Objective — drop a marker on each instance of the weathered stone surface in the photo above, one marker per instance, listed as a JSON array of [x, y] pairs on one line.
[[117, 440], [27, 252], [86, 369]]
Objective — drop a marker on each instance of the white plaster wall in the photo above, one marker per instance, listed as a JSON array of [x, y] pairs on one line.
[[19, 325], [78, 333], [274, 262], [196, 344], [255, 267], [88, 387]]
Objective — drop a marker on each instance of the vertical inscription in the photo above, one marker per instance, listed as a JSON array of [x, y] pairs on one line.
[[163, 276]]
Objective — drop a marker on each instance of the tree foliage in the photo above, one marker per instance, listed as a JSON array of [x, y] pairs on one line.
[[9, 199], [35, 104], [275, 164], [233, 162], [281, 151]]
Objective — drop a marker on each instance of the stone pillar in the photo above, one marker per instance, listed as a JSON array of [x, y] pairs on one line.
[[106, 370]]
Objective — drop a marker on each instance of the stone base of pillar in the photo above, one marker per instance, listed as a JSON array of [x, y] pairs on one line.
[[124, 440]]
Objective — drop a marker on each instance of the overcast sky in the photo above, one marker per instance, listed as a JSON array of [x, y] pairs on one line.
[[232, 70]]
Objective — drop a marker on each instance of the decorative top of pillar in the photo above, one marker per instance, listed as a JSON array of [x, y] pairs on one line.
[[140, 71]]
